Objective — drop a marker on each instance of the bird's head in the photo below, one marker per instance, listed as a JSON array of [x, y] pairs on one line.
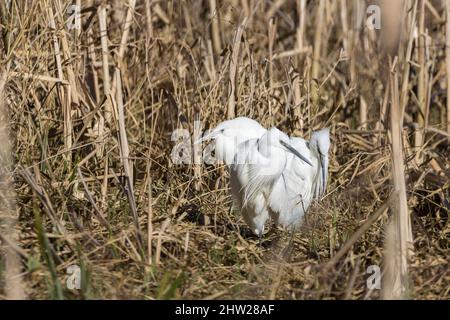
[[320, 141]]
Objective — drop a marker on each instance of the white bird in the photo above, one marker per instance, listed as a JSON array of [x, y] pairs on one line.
[[298, 184], [272, 175], [257, 165], [229, 134]]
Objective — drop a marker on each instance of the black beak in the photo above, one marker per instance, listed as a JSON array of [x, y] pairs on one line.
[[295, 152]]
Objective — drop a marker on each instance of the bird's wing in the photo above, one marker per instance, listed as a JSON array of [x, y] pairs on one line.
[[291, 193], [254, 207], [300, 168], [289, 199], [246, 170], [251, 170], [239, 171]]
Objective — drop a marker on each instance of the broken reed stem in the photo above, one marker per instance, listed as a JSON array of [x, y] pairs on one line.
[[35, 184], [65, 97], [56, 47], [124, 41], [38, 77], [276, 5], [353, 37], [298, 117], [318, 40], [92, 64], [402, 224], [72, 102], [77, 30], [390, 35], [245, 7], [8, 214], [447, 61], [97, 211], [231, 112], [362, 113], [66, 50], [272, 36], [301, 8], [351, 285], [148, 15], [149, 219], [161, 231], [125, 156], [105, 54], [215, 27], [126, 31], [406, 62], [344, 21], [422, 84], [353, 42], [389, 280], [212, 65], [105, 118]]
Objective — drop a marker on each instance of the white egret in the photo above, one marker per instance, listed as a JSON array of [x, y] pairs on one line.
[[299, 183], [272, 175], [257, 165], [229, 134]]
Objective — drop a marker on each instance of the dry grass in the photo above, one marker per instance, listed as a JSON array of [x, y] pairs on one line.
[[92, 111]]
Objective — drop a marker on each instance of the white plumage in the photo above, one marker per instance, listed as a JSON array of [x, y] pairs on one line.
[[229, 134], [257, 165], [299, 183], [272, 175]]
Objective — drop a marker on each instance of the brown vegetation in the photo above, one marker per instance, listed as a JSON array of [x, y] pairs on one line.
[[92, 110]]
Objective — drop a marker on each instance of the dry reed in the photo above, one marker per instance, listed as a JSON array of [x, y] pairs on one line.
[[92, 113]]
